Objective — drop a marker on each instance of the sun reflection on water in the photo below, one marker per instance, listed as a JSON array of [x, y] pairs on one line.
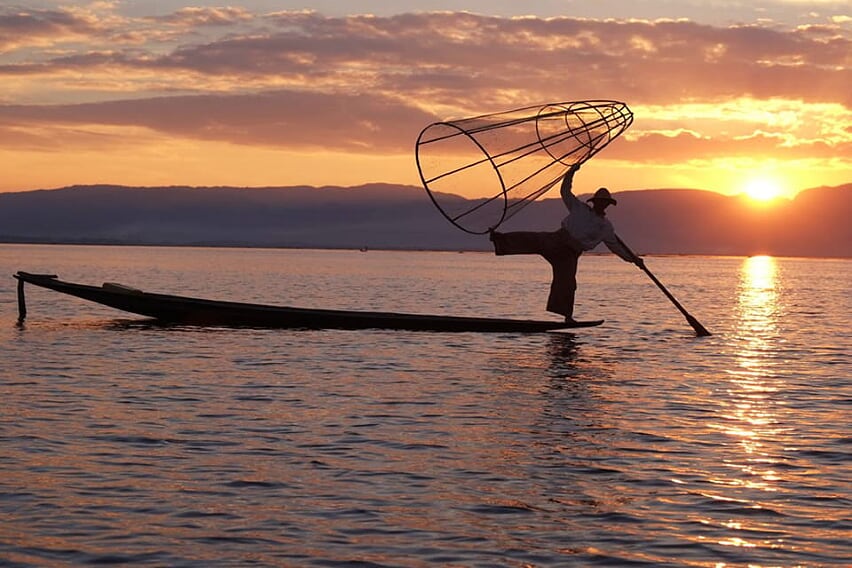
[[749, 415], [758, 308]]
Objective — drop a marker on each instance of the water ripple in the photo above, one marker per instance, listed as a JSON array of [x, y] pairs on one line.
[[631, 444]]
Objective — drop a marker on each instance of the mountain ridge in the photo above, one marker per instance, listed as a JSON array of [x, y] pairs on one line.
[[392, 216]]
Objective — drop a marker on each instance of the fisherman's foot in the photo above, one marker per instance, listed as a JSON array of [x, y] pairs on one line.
[[570, 320]]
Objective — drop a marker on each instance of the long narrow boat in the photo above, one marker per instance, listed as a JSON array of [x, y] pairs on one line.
[[197, 311]]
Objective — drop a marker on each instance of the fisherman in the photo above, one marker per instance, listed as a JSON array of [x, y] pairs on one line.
[[583, 229]]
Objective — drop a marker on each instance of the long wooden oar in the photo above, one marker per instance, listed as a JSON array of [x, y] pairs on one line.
[[700, 330]]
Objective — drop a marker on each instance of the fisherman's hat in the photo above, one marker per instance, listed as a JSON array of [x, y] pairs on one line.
[[603, 194]]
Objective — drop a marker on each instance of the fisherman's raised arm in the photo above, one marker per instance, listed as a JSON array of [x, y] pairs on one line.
[[565, 190]]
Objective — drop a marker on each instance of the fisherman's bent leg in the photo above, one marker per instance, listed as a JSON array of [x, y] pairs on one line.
[[521, 242]]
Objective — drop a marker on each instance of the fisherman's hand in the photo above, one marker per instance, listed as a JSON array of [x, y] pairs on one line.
[[573, 169], [639, 262]]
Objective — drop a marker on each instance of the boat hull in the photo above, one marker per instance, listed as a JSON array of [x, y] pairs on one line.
[[203, 312]]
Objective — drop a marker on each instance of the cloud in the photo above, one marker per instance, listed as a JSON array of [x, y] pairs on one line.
[[642, 61], [369, 84], [205, 16], [371, 124], [665, 148], [20, 29], [359, 123]]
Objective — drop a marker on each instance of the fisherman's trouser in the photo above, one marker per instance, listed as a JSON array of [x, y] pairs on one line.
[[560, 249]]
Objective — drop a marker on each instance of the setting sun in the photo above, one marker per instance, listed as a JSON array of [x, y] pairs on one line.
[[762, 189]]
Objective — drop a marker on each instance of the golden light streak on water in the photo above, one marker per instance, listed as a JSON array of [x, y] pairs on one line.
[[749, 414], [754, 383]]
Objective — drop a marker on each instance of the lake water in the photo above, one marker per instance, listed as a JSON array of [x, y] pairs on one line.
[[633, 443]]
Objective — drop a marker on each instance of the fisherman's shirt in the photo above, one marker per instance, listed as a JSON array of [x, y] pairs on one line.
[[591, 229]]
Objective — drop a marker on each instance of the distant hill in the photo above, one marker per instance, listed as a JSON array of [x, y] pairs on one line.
[[386, 216]]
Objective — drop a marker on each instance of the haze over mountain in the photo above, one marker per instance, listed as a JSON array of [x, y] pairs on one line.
[[659, 221]]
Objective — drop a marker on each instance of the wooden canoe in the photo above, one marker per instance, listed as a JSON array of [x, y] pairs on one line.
[[196, 311]]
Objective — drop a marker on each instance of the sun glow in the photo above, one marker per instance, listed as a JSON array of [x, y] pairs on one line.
[[762, 189]]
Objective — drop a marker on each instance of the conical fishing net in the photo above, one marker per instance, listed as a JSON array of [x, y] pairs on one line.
[[511, 157]]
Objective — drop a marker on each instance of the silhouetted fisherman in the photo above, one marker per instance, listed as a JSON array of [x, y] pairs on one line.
[[583, 229]]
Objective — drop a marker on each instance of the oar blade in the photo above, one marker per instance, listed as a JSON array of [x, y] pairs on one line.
[[700, 330]]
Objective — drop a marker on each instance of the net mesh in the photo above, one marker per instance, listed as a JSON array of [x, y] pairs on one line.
[[512, 157]]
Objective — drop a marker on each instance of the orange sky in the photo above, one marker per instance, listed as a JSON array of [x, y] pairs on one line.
[[244, 96]]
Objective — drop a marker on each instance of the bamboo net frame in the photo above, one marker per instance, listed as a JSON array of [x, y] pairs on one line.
[[527, 150]]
